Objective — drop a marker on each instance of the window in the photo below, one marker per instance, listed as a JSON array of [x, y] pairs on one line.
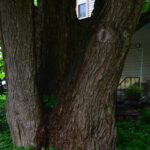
[[82, 10]]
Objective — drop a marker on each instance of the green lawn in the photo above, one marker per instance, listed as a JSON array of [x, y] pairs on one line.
[[130, 135]]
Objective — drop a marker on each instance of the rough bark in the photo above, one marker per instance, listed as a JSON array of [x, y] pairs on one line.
[[80, 62], [23, 103], [56, 38]]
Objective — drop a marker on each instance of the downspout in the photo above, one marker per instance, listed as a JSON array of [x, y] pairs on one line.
[[141, 67]]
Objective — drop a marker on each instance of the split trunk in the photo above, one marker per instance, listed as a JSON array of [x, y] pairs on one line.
[[49, 52]]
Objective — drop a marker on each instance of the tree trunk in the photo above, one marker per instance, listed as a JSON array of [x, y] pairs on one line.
[[84, 80], [85, 117], [23, 105]]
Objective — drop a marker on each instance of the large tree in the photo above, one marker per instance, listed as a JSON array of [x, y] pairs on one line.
[[51, 54]]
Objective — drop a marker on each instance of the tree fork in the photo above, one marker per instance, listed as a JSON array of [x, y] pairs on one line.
[[85, 117]]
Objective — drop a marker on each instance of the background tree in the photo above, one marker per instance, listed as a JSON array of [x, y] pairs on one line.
[[51, 55]]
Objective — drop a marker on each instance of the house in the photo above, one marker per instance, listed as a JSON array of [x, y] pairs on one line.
[[137, 65], [138, 60], [84, 8]]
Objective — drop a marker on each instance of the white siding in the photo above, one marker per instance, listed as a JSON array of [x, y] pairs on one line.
[[90, 7], [81, 1], [133, 62]]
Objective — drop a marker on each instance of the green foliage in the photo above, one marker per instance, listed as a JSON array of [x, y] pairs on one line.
[[145, 117], [146, 7], [2, 101], [3, 122], [31, 147], [133, 92], [50, 102], [52, 148], [5, 140], [2, 74], [133, 135], [35, 2]]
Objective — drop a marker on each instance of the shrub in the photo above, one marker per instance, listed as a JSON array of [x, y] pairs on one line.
[[133, 92], [145, 117]]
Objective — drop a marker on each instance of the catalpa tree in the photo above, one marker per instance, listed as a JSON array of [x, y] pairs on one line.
[[52, 56]]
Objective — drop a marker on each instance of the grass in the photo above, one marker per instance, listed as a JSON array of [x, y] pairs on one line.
[[5, 139], [130, 135]]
